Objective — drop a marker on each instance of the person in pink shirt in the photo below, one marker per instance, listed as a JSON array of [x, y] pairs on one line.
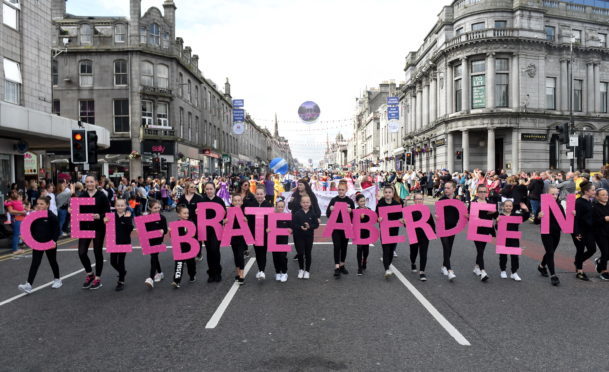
[[16, 209]]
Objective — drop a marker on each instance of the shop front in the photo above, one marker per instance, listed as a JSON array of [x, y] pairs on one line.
[[189, 163], [158, 158], [214, 160]]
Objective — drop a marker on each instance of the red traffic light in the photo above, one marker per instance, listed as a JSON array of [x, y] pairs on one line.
[[78, 136]]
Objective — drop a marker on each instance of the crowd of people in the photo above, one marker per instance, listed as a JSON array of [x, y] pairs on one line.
[[515, 195]]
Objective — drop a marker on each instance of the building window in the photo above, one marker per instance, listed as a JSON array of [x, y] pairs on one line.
[[147, 113], [12, 82], [197, 129], [500, 24], [180, 84], [121, 116], [188, 90], [162, 76], [603, 40], [478, 84], [143, 35], [56, 109], [120, 72], [162, 115], [551, 93], [120, 33], [147, 74], [458, 88], [577, 95], [87, 111], [604, 97], [154, 38], [502, 78], [54, 72], [86, 73], [550, 33], [181, 122], [196, 98], [577, 36], [478, 26], [86, 34], [459, 31], [190, 126], [165, 40], [10, 16]]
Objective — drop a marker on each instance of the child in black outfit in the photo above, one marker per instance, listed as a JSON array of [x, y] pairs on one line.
[[156, 273], [190, 263], [362, 249], [238, 244], [123, 227], [280, 259], [304, 223]]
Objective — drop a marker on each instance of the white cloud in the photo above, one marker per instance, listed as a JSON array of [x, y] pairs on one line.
[[278, 54]]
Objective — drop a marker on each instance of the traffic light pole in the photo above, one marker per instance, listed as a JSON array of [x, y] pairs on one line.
[[571, 120]]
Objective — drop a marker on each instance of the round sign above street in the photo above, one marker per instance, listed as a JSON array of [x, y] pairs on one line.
[[238, 128], [394, 126], [309, 112]]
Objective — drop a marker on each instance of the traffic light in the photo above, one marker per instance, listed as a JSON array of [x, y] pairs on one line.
[[92, 147], [409, 158], [588, 146], [563, 133], [459, 155], [156, 164], [78, 146]]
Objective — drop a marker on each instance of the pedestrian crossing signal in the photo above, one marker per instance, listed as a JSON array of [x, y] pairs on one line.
[[78, 146], [459, 155]]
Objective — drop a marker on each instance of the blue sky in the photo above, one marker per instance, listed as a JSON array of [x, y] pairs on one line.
[[279, 54]]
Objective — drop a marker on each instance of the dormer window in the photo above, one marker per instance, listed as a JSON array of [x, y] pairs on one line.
[[143, 35], [120, 33], [165, 40], [86, 34], [154, 37]]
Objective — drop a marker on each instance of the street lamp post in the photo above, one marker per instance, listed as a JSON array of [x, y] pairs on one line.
[[571, 120]]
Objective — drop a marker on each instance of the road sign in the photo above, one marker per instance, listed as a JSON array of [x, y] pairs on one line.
[[239, 128], [238, 115], [394, 126], [570, 155], [574, 141], [393, 113], [238, 103], [393, 100]]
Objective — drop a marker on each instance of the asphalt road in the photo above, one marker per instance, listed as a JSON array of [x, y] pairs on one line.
[[356, 323]]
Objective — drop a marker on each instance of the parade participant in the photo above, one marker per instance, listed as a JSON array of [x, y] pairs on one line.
[[390, 198], [190, 199], [451, 218], [280, 259], [43, 230], [278, 188], [259, 202], [303, 189], [212, 243], [253, 184], [509, 210], [550, 242], [362, 249], [422, 245], [482, 197], [99, 210], [123, 228], [238, 244], [223, 192], [304, 223], [16, 210], [583, 230], [269, 188], [156, 273], [339, 239], [191, 264], [600, 215], [246, 195]]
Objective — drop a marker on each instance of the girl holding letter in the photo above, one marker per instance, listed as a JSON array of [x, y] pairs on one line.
[[280, 259], [452, 218], [423, 242], [123, 228], [601, 221], [212, 244], [304, 223], [362, 249], [339, 239], [482, 197], [550, 241], [390, 198], [259, 202], [238, 244], [156, 273], [508, 210], [191, 264]]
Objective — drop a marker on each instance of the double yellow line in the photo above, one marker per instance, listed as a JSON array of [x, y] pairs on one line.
[[9, 256]]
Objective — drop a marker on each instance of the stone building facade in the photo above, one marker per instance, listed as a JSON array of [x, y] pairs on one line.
[[492, 81]]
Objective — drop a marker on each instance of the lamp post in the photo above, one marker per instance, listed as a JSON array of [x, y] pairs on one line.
[[571, 119]]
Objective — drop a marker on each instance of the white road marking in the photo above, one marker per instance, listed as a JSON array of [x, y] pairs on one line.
[[215, 319], [431, 309], [42, 286]]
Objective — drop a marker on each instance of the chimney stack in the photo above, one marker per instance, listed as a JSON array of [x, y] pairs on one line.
[[170, 17], [135, 13], [58, 9], [227, 89]]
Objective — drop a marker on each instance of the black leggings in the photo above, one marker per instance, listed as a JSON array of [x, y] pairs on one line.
[[388, 250], [260, 256], [603, 246], [515, 262], [117, 260], [304, 246], [420, 247], [480, 253], [155, 265], [238, 250], [550, 243], [340, 246], [212, 246], [280, 260], [585, 249], [98, 245], [447, 248], [37, 259], [179, 268], [362, 255]]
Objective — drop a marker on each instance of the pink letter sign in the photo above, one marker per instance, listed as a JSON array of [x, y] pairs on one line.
[[340, 209], [386, 224], [259, 227], [145, 236], [475, 222], [26, 232], [235, 214], [111, 246], [188, 238], [412, 225], [275, 231], [549, 206], [203, 222], [503, 234], [77, 217], [441, 225], [370, 226]]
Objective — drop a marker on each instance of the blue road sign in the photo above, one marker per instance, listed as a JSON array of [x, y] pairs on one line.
[[393, 100], [393, 113], [238, 103], [238, 115]]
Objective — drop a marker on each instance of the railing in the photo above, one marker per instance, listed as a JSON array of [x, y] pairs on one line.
[[463, 3], [550, 3], [576, 8], [482, 34]]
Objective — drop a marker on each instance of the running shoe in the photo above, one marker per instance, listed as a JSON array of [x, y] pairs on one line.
[[515, 277], [57, 283], [97, 284], [582, 276], [149, 283], [88, 281], [554, 280], [119, 286], [542, 270], [343, 270], [422, 277], [158, 277], [25, 288]]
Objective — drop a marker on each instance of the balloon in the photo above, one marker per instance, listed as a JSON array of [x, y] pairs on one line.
[[279, 165], [309, 112]]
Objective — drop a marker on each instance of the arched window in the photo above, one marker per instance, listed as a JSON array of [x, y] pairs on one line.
[[120, 72], [147, 74], [86, 73], [86, 34], [162, 76], [154, 37]]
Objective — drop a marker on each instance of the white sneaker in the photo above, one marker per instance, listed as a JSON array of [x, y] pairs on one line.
[[307, 275], [503, 275], [25, 288], [395, 254], [277, 277], [388, 274], [261, 275], [57, 283], [284, 278], [258, 275], [477, 271], [158, 277], [444, 271], [483, 276], [515, 277], [300, 274], [149, 283], [451, 275]]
